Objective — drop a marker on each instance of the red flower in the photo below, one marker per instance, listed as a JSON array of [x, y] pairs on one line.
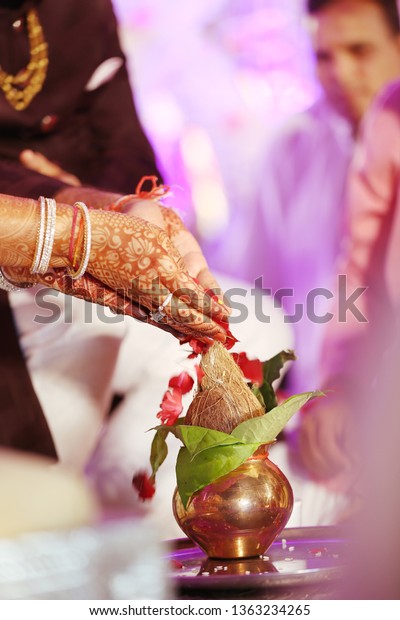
[[198, 347], [252, 369], [144, 485], [230, 339], [200, 373], [171, 406], [183, 382]]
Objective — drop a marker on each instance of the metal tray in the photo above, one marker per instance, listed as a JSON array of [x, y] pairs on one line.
[[298, 557]]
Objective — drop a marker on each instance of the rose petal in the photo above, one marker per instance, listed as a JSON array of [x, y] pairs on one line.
[[144, 485], [198, 347], [183, 381], [252, 369], [171, 406], [200, 373]]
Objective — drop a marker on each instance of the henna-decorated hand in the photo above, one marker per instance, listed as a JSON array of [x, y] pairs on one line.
[[183, 240], [138, 260], [89, 289], [144, 205], [130, 256], [155, 213], [135, 269]]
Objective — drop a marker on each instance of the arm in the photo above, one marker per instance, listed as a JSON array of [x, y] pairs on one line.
[[129, 256], [157, 214]]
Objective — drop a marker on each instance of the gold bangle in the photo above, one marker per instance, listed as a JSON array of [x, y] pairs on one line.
[[87, 242]]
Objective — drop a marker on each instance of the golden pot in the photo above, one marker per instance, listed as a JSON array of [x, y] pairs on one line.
[[240, 514]]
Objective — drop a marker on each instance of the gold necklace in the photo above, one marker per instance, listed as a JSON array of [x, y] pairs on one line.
[[21, 88]]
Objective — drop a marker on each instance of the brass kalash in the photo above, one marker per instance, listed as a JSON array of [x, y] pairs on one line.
[[240, 514]]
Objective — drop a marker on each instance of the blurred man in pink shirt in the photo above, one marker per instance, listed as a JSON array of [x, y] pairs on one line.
[[354, 350], [297, 228]]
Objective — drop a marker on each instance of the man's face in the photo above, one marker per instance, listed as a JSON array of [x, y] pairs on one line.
[[356, 54]]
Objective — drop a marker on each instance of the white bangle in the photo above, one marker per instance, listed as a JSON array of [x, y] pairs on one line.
[[40, 235], [6, 285], [51, 211], [45, 236], [87, 242]]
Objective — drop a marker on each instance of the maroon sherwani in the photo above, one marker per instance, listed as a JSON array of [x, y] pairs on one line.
[[84, 119]]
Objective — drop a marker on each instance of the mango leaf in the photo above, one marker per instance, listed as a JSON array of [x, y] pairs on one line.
[[159, 449], [265, 429], [196, 439], [257, 393], [195, 473], [271, 371]]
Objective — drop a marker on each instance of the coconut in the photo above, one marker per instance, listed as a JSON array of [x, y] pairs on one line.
[[223, 399]]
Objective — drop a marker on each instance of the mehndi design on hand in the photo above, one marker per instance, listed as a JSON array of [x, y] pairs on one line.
[[137, 259]]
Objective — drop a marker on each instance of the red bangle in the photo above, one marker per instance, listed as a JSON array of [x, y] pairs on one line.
[[71, 241]]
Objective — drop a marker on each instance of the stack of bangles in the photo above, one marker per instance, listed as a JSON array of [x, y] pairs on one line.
[[79, 255]]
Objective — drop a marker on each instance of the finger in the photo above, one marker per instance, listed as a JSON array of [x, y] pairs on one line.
[[194, 260], [179, 331], [183, 292], [68, 178], [188, 293], [196, 266], [39, 163], [146, 210], [207, 280], [191, 308], [187, 321], [189, 258], [146, 262]]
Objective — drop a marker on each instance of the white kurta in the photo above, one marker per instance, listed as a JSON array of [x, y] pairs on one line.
[[290, 233]]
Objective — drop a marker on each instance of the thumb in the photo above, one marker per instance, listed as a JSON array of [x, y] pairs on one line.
[[38, 162]]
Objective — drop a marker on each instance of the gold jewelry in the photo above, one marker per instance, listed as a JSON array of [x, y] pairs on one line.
[[45, 236], [87, 242], [6, 284], [40, 235], [21, 88]]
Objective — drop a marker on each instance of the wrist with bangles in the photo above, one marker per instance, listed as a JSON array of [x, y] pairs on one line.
[[79, 248]]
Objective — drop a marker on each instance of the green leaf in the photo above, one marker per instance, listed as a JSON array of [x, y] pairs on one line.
[[257, 393], [195, 473], [265, 429], [196, 439], [271, 372], [159, 449]]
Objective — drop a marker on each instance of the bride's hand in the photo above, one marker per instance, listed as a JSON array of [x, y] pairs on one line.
[[137, 259]]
